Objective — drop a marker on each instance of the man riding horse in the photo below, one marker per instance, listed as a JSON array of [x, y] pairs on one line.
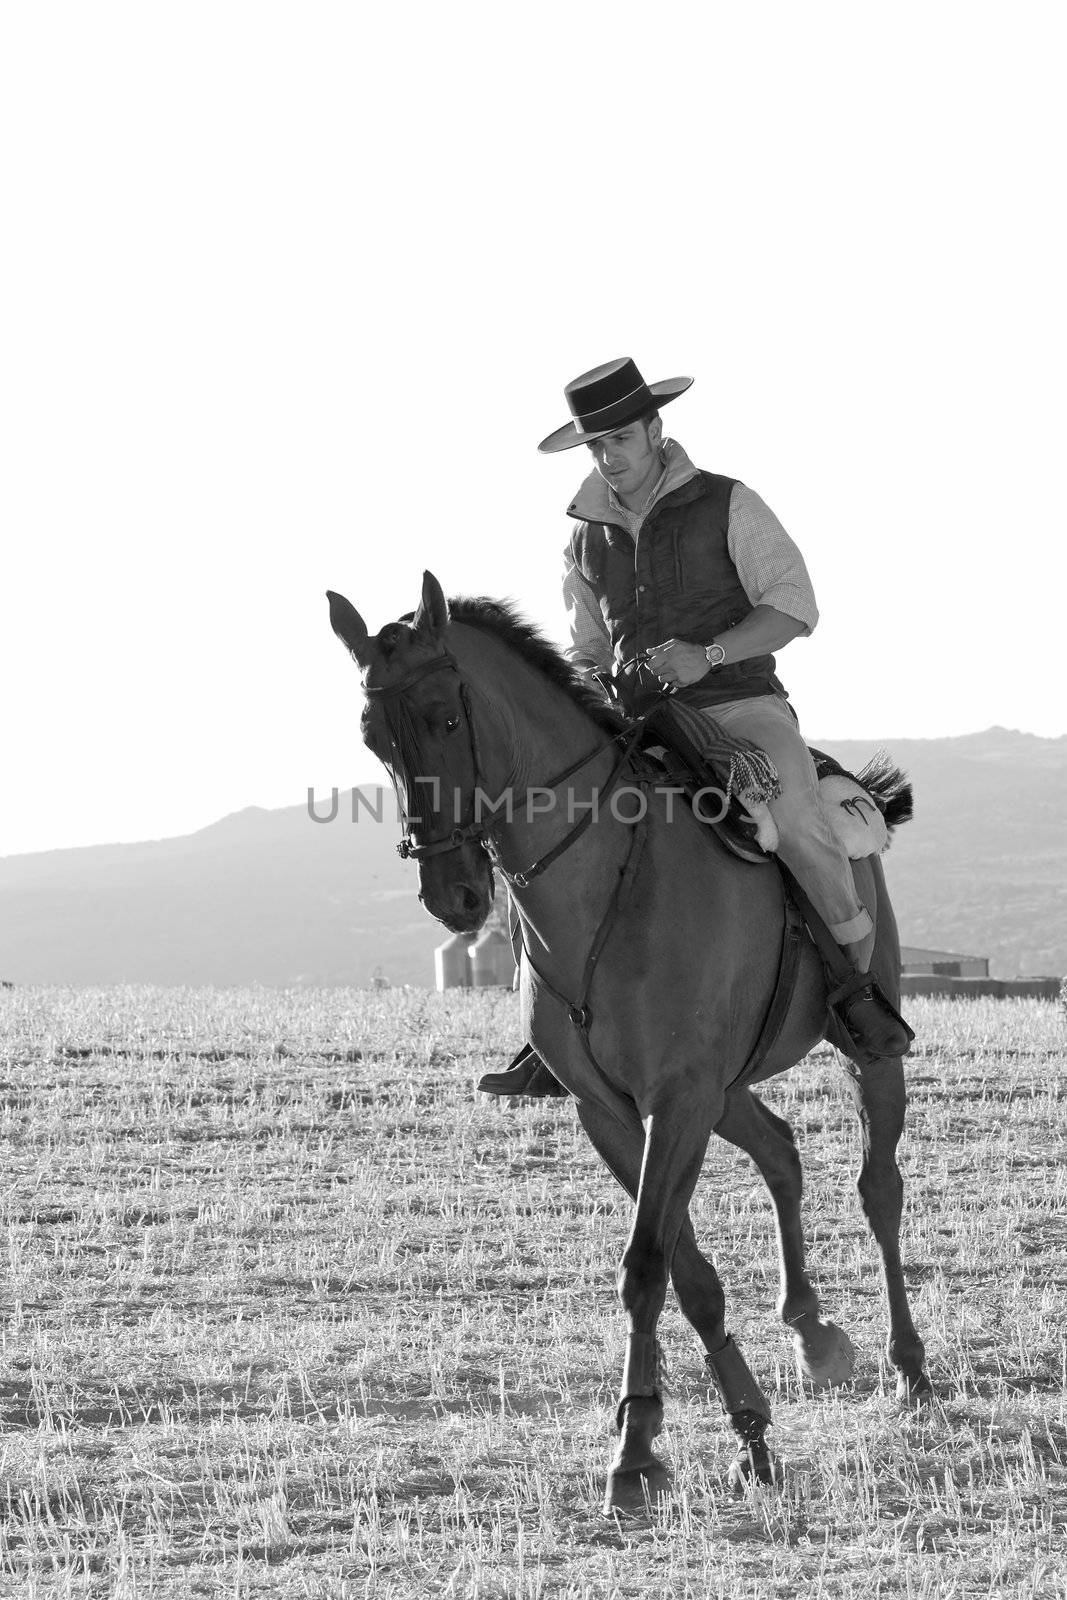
[[683, 578]]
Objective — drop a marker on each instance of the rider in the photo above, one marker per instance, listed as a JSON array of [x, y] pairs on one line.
[[696, 570]]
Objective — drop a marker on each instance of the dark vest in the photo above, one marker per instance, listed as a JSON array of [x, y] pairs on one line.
[[680, 583]]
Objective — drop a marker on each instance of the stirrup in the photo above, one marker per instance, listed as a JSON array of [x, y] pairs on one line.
[[862, 986], [526, 1074]]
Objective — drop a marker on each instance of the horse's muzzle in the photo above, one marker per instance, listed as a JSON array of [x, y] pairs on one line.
[[460, 904]]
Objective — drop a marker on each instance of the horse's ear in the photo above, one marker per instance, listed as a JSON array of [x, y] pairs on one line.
[[432, 613], [349, 627]]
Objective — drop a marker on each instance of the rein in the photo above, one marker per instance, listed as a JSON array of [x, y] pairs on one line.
[[522, 879]]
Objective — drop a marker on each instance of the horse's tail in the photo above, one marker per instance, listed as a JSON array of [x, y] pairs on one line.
[[890, 787]]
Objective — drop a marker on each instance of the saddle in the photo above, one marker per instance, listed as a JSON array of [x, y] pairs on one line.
[[854, 813], [684, 766]]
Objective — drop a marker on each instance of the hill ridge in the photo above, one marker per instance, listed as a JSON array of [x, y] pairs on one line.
[[267, 895]]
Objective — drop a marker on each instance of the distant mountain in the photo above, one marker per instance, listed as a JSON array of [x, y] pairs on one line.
[[275, 898], [260, 896]]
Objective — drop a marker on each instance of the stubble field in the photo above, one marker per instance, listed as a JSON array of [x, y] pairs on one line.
[[288, 1309]]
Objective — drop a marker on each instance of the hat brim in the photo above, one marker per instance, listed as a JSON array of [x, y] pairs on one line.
[[570, 434]]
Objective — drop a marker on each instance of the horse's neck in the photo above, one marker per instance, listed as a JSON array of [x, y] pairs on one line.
[[539, 733], [554, 737], [537, 730]]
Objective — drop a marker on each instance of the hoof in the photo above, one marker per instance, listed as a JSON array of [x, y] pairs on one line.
[[636, 1491], [754, 1463], [825, 1355], [914, 1392]]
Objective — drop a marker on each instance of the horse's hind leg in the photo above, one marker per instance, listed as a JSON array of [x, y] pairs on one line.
[[879, 1093], [824, 1352]]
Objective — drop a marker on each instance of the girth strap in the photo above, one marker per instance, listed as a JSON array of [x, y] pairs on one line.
[[781, 999]]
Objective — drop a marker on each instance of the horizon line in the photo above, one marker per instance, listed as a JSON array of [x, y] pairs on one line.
[[381, 781]]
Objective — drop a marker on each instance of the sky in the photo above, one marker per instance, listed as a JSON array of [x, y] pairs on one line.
[[290, 294]]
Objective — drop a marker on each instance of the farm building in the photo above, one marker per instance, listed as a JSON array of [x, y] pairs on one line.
[[941, 963], [470, 960]]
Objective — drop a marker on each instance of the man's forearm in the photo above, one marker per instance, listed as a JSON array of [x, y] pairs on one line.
[[762, 632], [590, 646]]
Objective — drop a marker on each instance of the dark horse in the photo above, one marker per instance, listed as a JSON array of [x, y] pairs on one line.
[[650, 958]]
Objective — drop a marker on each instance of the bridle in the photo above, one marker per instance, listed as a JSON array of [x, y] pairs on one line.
[[481, 832], [407, 849]]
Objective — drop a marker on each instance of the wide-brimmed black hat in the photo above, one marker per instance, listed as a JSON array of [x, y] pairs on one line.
[[607, 398]]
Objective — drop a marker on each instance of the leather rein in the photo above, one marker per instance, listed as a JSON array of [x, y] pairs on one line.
[[475, 830]]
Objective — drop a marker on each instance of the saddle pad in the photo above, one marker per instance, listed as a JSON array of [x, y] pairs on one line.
[[854, 816], [856, 821]]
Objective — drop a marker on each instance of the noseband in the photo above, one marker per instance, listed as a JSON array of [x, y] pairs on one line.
[[480, 831]]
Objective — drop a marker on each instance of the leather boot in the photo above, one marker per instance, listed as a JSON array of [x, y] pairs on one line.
[[526, 1074], [869, 1019]]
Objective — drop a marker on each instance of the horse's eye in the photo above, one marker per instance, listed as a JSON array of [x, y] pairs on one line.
[[452, 724]]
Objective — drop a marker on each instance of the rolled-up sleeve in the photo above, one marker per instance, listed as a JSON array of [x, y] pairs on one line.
[[590, 646], [770, 566]]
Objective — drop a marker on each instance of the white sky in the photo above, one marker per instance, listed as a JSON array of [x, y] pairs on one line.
[[290, 293]]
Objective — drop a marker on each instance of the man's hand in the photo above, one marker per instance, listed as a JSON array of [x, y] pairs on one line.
[[677, 663], [762, 631]]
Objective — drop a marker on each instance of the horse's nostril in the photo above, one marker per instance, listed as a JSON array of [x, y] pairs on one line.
[[470, 898]]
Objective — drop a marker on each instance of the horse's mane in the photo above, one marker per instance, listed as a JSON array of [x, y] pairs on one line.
[[504, 622]]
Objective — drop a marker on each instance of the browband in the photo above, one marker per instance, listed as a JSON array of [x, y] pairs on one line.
[[433, 665]]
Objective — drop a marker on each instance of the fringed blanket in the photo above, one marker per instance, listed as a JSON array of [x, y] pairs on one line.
[[742, 769]]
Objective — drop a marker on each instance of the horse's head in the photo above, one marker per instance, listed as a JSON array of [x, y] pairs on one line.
[[417, 721]]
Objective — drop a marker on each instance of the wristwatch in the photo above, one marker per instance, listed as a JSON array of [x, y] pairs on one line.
[[715, 654]]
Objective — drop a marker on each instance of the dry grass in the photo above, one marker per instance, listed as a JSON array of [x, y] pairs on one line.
[[288, 1310]]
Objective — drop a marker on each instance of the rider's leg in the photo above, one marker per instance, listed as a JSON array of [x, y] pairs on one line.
[[525, 1074], [807, 843], [811, 850]]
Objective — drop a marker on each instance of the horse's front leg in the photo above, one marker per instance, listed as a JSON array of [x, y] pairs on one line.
[[701, 1297], [676, 1140]]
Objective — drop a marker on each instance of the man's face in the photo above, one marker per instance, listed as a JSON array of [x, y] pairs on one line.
[[628, 458]]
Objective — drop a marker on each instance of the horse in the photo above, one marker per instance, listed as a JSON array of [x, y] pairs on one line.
[[650, 959]]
